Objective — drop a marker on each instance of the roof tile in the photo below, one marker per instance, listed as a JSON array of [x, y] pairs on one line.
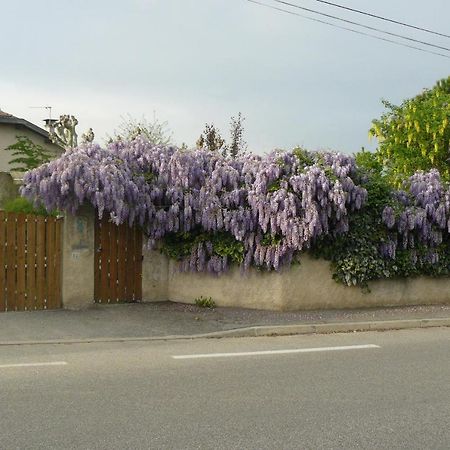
[[5, 114]]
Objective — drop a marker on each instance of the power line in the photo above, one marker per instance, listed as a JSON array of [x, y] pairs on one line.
[[367, 27], [365, 13], [362, 33]]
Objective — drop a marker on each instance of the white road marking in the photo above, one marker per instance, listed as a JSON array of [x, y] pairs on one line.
[[276, 352], [39, 364]]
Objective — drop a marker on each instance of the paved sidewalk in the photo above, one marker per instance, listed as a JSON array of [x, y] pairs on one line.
[[167, 320]]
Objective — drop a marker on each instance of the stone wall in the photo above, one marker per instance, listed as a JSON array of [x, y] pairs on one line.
[[302, 287], [305, 286]]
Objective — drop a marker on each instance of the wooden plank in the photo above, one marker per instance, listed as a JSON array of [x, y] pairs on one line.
[[2, 261], [138, 264], [11, 300], [130, 265], [97, 260], [20, 262], [41, 293], [126, 263], [50, 260], [58, 262], [121, 266], [30, 300], [113, 234], [104, 281]]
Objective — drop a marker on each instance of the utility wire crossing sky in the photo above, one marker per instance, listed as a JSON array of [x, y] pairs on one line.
[[368, 27], [287, 66], [358, 11]]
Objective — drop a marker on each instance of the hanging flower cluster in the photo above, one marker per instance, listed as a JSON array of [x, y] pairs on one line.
[[271, 207], [419, 219]]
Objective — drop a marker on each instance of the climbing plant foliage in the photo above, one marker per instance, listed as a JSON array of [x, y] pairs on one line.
[[203, 208], [398, 233], [209, 212]]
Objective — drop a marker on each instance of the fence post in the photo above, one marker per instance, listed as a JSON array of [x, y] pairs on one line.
[[78, 259]]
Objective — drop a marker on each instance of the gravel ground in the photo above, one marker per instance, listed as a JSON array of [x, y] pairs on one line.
[[168, 319], [250, 317]]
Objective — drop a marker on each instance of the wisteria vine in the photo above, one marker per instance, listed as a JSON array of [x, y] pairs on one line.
[[272, 207], [210, 212], [418, 219]]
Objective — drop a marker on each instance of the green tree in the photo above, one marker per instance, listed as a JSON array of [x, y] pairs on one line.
[[213, 141], [27, 155], [368, 162], [415, 135], [237, 145]]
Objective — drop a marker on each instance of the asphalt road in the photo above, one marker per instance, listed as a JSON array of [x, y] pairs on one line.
[[392, 393]]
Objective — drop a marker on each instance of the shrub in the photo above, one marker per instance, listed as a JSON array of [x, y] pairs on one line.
[[22, 205], [205, 302]]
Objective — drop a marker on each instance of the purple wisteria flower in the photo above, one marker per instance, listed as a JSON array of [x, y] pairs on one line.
[[166, 190]]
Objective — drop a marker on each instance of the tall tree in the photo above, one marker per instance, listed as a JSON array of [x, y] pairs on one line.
[[213, 141], [415, 135], [237, 145]]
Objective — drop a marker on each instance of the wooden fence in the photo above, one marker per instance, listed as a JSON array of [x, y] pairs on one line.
[[30, 262], [118, 263]]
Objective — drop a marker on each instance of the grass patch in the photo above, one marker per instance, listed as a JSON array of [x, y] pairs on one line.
[[205, 302], [22, 205]]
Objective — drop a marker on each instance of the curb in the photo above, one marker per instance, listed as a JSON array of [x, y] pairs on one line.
[[267, 330]]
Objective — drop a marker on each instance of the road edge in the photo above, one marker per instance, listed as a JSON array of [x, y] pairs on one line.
[[264, 330]]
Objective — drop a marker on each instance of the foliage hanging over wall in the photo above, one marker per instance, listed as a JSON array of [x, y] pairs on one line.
[[208, 211], [254, 210], [398, 233]]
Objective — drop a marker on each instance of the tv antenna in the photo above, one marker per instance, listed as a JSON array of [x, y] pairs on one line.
[[48, 108]]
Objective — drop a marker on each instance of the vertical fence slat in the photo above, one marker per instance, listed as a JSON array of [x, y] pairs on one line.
[[121, 266], [20, 262], [97, 260], [128, 294], [130, 265], [113, 235], [50, 259], [30, 302], [2, 261], [138, 264], [40, 262], [11, 262], [105, 261], [58, 257]]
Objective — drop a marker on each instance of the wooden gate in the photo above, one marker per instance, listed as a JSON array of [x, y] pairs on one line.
[[30, 262], [118, 263]]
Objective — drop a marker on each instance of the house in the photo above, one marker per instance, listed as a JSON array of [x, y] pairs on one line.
[[11, 127]]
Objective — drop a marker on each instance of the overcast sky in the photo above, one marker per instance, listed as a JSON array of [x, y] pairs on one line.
[[197, 61]]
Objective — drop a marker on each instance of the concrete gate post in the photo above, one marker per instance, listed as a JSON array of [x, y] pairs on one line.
[[78, 259]]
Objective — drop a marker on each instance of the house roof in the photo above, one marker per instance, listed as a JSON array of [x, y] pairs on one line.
[[13, 120]]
